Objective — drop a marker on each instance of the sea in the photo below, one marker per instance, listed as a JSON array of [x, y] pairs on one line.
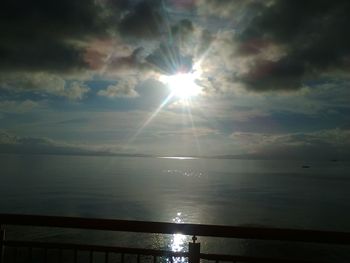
[[266, 193]]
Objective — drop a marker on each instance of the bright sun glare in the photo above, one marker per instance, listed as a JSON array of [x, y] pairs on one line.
[[182, 85]]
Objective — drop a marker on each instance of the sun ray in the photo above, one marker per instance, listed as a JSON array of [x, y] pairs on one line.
[[153, 115], [182, 85], [194, 129]]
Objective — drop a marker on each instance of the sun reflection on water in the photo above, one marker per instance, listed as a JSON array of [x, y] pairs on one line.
[[178, 242]]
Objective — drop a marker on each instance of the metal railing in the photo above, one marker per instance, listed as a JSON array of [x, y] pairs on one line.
[[193, 255]]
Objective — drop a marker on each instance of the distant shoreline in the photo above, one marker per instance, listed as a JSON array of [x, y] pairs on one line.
[[174, 157]]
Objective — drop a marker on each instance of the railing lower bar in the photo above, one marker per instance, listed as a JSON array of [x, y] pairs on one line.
[[15, 254], [136, 251], [75, 255], [83, 247], [30, 254], [249, 259], [2, 240], [45, 255], [60, 255], [329, 237], [91, 256]]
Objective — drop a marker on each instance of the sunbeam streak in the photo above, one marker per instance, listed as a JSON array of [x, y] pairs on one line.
[[194, 130], [154, 114]]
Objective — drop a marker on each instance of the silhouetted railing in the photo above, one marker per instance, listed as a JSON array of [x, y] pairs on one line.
[[194, 255]]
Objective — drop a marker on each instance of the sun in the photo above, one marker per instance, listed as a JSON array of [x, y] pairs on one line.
[[182, 85]]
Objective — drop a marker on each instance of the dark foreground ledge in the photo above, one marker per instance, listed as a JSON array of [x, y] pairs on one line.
[[244, 232], [193, 255]]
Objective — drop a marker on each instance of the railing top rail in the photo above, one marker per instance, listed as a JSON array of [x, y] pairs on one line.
[[243, 232]]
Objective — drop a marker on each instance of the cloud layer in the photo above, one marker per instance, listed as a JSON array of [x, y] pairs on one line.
[[268, 47], [269, 70]]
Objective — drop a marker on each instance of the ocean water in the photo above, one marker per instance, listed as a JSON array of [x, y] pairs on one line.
[[208, 191]]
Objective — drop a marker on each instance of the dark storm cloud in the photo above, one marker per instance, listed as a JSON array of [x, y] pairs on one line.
[[308, 38], [38, 35], [313, 34], [45, 55], [143, 21], [53, 36], [59, 36], [168, 60], [284, 74], [182, 30]]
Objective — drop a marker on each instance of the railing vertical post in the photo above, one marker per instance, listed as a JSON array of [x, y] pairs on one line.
[[194, 250], [2, 243]]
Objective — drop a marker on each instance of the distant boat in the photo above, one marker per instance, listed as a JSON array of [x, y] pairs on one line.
[[305, 166], [334, 160]]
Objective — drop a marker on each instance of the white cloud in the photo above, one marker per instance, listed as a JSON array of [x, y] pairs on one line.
[[43, 83], [125, 88], [75, 91], [6, 138]]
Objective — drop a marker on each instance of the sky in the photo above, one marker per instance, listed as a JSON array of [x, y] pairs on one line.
[[269, 79]]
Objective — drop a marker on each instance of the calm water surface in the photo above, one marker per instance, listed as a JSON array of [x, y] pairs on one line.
[[227, 192]]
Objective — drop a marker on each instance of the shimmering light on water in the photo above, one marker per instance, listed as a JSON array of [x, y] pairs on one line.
[[178, 157], [178, 242], [205, 191]]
